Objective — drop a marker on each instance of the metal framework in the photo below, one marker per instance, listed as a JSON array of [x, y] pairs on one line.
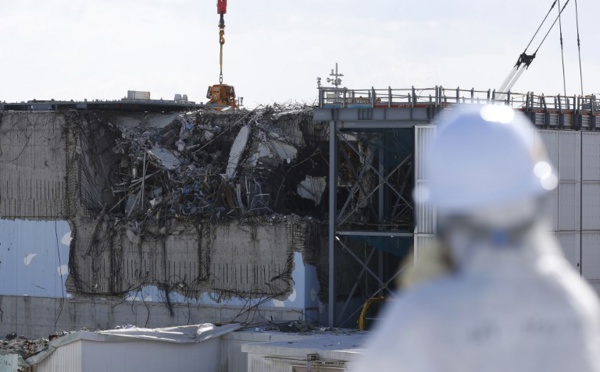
[[371, 226], [371, 211]]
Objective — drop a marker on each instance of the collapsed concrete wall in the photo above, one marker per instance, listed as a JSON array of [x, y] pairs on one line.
[[35, 317], [199, 202], [239, 259], [33, 166]]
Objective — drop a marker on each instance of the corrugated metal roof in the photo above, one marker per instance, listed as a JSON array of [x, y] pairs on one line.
[[190, 334]]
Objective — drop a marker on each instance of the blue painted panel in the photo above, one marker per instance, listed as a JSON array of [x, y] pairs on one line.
[[34, 257]]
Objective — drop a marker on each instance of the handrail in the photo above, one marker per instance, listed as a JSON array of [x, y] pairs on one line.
[[439, 97]]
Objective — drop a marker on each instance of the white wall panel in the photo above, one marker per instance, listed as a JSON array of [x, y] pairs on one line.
[[568, 206], [590, 208], [423, 135], [572, 200], [591, 255], [67, 358], [570, 243], [564, 150], [590, 151], [553, 209], [550, 138], [569, 155], [551, 141], [595, 284], [151, 356]]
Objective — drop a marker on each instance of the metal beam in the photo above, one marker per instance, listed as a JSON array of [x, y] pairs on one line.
[[391, 234], [332, 217]]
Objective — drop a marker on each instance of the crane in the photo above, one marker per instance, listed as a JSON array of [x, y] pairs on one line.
[[221, 94], [525, 59]]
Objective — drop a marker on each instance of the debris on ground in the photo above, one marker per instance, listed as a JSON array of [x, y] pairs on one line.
[[231, 164]]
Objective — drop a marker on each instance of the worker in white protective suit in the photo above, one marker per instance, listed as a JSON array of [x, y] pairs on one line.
[[512, 302]]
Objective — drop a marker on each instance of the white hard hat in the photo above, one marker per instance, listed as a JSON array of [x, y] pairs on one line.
[[484, 157]]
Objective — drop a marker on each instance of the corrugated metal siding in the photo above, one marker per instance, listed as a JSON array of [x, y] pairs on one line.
[[426, 217], [258, 363], [232, 357], [64, 359], [423, 241], [261, 363], [426, 220], [146, 356], [151, 356], [423, 135]]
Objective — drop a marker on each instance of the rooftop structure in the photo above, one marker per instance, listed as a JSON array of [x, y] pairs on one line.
[[136, 101]]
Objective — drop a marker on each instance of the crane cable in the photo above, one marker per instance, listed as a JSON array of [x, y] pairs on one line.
[[579, 47], [221, 42], [540, 26], [525, 59], [221, 10], [551, 27], [562, 52]]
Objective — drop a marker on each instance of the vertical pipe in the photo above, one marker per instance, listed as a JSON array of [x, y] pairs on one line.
[[374, 95], [580, 203], [332, 218], [381, 205], [321, 96]]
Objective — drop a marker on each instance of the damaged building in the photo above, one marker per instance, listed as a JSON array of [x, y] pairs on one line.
[[188, 216], [160, 219]]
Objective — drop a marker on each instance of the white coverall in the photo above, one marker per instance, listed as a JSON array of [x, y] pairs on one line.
[[511, 308]]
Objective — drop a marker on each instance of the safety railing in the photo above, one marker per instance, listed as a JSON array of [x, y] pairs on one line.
[[440, 97]]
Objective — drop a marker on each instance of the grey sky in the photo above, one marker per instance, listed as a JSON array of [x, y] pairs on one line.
[[99, 49]]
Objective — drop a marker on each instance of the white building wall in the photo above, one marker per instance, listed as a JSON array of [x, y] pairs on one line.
[[426, 223], [564, 151], [574, 206], [147, 356], [590, 207], [66, 358]]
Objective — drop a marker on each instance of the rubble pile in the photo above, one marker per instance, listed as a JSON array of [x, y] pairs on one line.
[[161, 196], [23, 347], [213, 165]]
